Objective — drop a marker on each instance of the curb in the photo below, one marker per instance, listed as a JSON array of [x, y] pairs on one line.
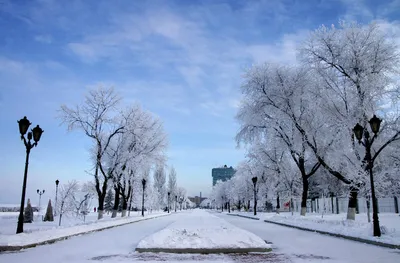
[[361, 240], [51, 241], [203, 250], [249, 217]]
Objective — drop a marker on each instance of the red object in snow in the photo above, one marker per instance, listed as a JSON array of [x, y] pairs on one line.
[[287, 204]]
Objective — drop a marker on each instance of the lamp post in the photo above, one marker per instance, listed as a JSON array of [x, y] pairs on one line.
[[55, 204], [176, 201], [144, 187], [40, 197], [254, 180], [360, 133], [278, 203], [36, 133], [168, 200]]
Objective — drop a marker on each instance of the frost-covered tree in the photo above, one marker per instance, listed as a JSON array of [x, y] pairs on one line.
[[353, 66], [81, 198], [172, 185], [97, 118], [141, 144], [275, 101], [160, 179], [182, 196], [67, 198], [346, 74]]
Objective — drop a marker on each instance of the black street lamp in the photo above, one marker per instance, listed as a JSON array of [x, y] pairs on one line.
[[55, 205], [40, 196], [36, 133], [254, 180], [168, 200], [176, 201], [278, 203], [144, 187], [359, 131]]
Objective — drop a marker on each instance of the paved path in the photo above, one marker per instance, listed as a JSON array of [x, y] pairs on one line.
[[118, 245], [91, 248], [297, 245]]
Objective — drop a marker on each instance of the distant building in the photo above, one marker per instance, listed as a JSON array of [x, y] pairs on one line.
[[224, 173], [197, 199]]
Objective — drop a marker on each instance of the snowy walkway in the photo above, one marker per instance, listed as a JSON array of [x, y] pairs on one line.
[[117, 245], [337, 224], [97, 247], [16, 241], [300, 246]]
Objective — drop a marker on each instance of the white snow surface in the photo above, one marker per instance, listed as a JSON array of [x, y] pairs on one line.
[[117, 245], [338, 224], [38, 236], [199, 230]]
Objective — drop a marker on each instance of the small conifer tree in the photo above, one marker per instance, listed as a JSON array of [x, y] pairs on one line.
[[49, 213], [109, 201], [28, 213]]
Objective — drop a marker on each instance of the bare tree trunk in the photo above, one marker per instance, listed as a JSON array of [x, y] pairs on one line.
[[116, 202], [101, 192], [351, 211], [101, 205], [368, 209], [130, 201], [124, 206], [337, 204], [304, 196]]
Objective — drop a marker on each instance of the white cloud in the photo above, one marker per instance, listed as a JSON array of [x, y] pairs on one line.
[[87, 52], [46, 39], [356, 10], [193, 75], [282, 51], [387, 9]]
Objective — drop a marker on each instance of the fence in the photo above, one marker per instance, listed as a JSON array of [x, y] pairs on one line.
[[331, 205]]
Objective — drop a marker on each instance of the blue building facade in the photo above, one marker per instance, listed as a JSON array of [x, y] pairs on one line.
[[224, 173]]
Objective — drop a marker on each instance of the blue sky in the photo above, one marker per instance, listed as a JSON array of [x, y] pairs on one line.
[[182, 60]]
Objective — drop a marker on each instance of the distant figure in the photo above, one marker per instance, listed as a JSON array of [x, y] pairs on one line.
[[95, 209]]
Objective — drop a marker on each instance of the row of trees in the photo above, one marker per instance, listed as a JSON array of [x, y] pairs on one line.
[[76, 199], [298, 121], [128, 144]]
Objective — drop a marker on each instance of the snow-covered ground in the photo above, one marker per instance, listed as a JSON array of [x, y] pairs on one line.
[[112, 245], [337, 223], [293, 245], [118, 245], [8, 221], [201, 230], [40, 231]]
